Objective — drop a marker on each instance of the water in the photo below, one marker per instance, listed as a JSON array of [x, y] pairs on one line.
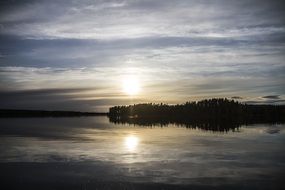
[[91, 152]]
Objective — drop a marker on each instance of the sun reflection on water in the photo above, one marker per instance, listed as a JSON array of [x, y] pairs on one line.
[[131, 142]]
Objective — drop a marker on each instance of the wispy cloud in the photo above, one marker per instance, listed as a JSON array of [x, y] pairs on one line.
[[180, 50], [132, 19], [275, 97]]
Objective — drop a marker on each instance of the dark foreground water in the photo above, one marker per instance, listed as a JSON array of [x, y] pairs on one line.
[[91, 153]]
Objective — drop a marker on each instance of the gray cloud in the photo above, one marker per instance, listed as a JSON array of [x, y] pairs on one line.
[[59, 99], [266, 102], [51, 99], [209, 48], [108, 19], [237, 97], [275, 97]]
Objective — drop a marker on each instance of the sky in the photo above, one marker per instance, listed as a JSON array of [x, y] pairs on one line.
[[84, 55]]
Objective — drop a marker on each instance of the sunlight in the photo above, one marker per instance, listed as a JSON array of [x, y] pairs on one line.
[[131, 85], [131, 142]]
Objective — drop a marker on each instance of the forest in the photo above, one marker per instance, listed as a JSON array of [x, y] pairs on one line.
[[215, 113]]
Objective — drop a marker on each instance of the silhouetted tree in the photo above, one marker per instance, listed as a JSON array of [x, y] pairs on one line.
[[218, 113]]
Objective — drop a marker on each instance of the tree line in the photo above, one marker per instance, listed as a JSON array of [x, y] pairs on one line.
[[43, 113], [216, 111]]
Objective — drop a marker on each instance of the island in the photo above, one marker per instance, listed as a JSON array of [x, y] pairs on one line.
[[220, 114]]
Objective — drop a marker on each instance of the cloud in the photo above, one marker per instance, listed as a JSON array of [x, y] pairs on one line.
[[133, 19], [180, 50], [282, 101], [81, 99], [237, 97], [275, 97]]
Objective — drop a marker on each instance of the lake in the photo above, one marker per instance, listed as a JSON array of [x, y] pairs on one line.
[[93, 153]]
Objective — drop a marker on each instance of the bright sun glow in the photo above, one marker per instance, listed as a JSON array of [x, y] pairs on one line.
[[131, 142], [131, 86]]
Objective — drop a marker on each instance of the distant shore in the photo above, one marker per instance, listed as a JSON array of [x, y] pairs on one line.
[[204, 110], [43, 113]]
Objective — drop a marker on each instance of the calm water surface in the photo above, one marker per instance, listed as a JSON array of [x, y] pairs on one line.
[[90, 152]]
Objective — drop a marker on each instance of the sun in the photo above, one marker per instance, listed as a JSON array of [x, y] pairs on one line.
[[131, 86]]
